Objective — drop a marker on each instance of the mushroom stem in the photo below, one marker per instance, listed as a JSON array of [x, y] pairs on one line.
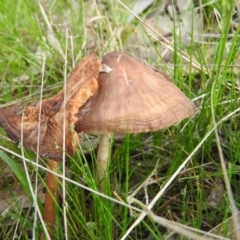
[[102, 159], [50, 198]]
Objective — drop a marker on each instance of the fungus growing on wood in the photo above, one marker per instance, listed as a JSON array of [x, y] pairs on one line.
[[131, 98]]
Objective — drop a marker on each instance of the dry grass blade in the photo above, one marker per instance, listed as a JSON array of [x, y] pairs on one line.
[[60, 176], [178, 228], [166, 42], [51, 38]]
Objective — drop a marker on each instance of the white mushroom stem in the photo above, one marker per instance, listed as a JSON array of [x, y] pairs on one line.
[[102, 159]]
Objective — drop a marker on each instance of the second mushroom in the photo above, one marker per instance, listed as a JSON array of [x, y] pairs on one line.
[[40, 127]]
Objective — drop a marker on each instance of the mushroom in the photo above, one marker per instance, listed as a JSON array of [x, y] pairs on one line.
[[121, 95], [52, 113], [131, 98]]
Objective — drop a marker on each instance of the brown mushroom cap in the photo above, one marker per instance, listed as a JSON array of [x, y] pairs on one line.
[[133, 98], [81, 85]]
